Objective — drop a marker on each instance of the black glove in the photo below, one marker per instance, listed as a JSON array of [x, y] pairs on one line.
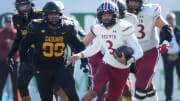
[[133, 68], [11, 64], [84, 65]]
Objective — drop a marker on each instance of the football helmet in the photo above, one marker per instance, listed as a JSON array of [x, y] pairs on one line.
[[122, 7], [53, 7], [108, 7], [24, 6], [134, 9]]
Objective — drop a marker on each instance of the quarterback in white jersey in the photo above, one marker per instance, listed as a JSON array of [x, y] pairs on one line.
[[110, 34], [149, 17]]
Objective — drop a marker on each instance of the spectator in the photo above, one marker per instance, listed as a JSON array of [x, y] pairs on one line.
[[171, 59], [7, 35]]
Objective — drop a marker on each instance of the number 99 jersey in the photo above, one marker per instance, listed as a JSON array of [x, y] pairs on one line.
[[50, 44], [146, 31]]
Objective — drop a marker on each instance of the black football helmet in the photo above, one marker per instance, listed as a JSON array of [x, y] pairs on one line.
[[53, 7], [122, 7], [134, 9], [108, 7], [24, 6]]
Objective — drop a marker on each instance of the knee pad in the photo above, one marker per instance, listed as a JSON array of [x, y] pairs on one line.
[[23, 91], [140, 94], [150, 92]]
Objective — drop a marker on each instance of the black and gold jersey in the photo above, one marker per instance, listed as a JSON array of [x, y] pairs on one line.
[[20, 23], [50, 44]]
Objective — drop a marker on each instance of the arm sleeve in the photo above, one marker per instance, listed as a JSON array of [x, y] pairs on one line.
[[161, 36], [27, 41], [133, 42], [94, 48]]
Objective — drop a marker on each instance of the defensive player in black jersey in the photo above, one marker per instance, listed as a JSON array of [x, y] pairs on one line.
[[24, 15], [50, 36]]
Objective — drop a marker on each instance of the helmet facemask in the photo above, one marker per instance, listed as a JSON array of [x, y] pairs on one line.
[[54, 19], [24, 7], [134, 6], [53, 12]]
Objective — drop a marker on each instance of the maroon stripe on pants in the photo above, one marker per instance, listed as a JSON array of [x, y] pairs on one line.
[[146, 68], [116, 77]]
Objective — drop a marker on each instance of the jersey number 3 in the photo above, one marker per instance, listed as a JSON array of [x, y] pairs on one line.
[[50, 49], [110, 47], [141, 31]]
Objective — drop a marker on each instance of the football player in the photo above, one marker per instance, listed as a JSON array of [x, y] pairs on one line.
[[127, 94], [50, 36], [149, 16], [24, 15], [95, 59], [110, 34]]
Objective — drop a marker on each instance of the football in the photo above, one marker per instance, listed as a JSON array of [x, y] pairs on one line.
[[128, 51]]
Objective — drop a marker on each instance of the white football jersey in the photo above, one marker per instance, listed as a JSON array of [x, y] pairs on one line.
[[128, 17], [147, 34], [122, 33]]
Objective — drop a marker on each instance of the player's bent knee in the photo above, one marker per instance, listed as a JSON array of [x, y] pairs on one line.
[[140, 94], [62, 95]]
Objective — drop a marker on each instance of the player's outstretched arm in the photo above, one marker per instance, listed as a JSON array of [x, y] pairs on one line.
[[88, 39], [90, 51], [27, 40]]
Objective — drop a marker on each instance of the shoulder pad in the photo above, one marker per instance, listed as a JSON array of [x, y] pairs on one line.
[[38, 11], [68, 22], [130, 14], [95, 29], [126, 28], [153, 9], [68, 18], [131, 18], [16, 13], [74, 21], [37, 20]]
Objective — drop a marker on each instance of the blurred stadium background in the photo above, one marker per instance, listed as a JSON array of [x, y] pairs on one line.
[[85, 12]]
